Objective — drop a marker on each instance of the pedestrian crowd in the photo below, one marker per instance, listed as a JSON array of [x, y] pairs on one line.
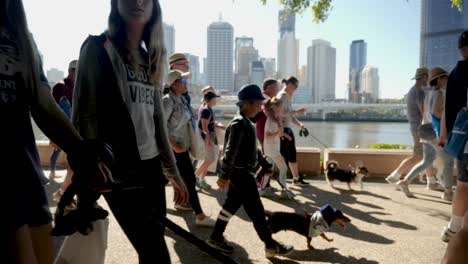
[[125, 118]]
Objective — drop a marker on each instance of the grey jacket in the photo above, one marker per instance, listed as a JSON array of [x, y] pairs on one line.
[[178, 119], [99, 110]]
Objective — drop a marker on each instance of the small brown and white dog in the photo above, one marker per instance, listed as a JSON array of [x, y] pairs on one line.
[[333, 172]]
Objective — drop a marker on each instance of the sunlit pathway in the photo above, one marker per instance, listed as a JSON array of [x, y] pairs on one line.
[[386, 228]]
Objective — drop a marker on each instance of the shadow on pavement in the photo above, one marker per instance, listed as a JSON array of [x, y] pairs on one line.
[[189, 253], [329, 255]]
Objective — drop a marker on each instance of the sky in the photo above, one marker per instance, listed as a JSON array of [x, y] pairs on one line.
[[390, 28]]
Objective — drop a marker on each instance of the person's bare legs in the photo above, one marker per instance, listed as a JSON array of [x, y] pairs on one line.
[[19, 247], [408, 163], [42, 243], [460, 204], [294, 170], [67, 180], [203, 169]]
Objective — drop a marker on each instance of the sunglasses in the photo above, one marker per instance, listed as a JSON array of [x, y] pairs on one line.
[[184, 81]]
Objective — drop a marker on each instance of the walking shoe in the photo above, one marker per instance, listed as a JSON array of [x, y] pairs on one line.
[[404, 188], [447, 195], [203, 185], [447, 234], [393, 178], [278, 250], [265, 193], [300, 182], [286, 194], [183, 207], [435, 186], [206, 222], [220, 245]]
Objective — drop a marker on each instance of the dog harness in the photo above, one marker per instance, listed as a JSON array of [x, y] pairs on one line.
[[318, 225]]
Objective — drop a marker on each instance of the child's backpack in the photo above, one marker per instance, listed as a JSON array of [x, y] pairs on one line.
[[455, 146]]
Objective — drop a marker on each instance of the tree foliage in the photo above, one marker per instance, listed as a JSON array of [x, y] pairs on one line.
[[322, 8]]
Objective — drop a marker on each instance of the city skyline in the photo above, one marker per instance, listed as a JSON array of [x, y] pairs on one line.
[[394, 39]]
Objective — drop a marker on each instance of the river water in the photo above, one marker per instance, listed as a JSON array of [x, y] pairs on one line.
[[342, 134]]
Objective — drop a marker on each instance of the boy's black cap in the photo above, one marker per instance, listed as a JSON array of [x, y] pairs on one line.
[[250, 92], [210, 95], [463, 40], [330, 214]]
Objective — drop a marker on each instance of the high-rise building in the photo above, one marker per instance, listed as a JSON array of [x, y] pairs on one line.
[[169, 38], [321, 71], [288, 55], [220, 56], [441, 26], [257, 73], [286, 22], [358, 59], [54, 75], [288, 45], [269, 64], [302, 74], [369, 84], [194, 68], [245, 54]]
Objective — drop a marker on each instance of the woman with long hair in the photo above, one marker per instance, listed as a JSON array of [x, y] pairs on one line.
[[117, 100], [24, 92]]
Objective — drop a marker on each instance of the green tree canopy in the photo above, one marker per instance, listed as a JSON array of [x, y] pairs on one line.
[[321, 8]]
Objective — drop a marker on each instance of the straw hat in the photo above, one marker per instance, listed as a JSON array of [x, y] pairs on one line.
[[420, 72], [175, 75], [437, 72]]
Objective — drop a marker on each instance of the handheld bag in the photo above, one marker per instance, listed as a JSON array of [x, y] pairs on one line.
[[197, 148], [455, 146]]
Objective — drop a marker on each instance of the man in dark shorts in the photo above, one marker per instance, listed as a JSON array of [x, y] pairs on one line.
[[288, 146]]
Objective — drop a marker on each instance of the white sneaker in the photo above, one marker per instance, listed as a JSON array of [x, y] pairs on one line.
[[404, 188], [435, 186], [447, 195], [207, 222], [447, 234], [393, 177]]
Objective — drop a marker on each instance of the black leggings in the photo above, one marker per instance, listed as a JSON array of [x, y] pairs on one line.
[[139, 210], [184, 164], [243, 191], [288, 147]]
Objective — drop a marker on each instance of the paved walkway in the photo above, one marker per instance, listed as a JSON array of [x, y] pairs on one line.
[[386, 228]]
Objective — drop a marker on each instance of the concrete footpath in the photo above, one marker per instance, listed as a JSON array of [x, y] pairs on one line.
[[386, 227]]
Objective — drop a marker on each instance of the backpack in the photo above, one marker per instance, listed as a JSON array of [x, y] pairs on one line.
[[457, 138]]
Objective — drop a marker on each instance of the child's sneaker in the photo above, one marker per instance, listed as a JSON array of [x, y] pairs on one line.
[[447, 234], [285, 194], [265, 193], [220, 245], [203, 185], [435, 186], [300, 182], [278, 250]]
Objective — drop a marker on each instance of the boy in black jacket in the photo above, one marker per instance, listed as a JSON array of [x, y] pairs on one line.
[[238, 173]]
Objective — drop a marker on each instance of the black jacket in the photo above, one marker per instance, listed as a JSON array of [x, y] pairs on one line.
[[456, 93], [240, 148]]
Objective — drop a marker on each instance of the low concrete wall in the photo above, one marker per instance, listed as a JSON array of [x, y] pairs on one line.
[[379, 162], [308, 160]]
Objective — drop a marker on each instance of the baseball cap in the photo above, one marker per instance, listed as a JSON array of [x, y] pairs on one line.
[[177, 57], [463, 40], [250, 92], [175, 75], [210, 95], [420, 72]]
